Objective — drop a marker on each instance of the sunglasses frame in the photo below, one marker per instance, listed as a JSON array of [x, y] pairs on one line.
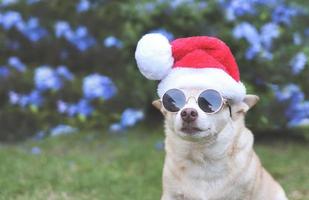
[[224, 101]]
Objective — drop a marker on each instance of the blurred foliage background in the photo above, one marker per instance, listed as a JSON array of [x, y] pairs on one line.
[[69, 65]]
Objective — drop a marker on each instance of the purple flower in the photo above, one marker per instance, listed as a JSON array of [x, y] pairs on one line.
[[97, 86], [46, 78], [298, 62], [112, 41], [16, 64]]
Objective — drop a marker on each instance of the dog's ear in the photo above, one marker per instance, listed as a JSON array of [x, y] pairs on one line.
[[158, 105], [241, 108], [251, 100]]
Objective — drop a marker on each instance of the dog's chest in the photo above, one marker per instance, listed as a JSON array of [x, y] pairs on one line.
[[207, 181]]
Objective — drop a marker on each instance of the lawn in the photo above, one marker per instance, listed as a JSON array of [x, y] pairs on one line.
[[118, 167]]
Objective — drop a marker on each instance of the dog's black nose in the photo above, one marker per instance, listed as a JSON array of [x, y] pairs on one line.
[[189, 114]]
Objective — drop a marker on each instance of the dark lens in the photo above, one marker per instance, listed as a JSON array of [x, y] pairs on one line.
[[210, 101], [173, 100]]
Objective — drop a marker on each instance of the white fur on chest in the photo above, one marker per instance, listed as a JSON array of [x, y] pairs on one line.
[[208, 172]]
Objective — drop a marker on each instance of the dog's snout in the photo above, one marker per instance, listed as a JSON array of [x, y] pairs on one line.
[[189, 114]]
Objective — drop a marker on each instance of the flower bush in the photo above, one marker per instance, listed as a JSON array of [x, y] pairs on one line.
[[72, 62]]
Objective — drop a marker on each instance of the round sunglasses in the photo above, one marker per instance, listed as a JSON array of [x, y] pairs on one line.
[[210, 101]]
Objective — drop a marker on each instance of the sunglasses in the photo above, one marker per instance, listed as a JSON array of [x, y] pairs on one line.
[[210, 101]]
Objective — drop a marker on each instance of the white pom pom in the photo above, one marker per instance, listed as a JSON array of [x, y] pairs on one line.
[[154, 56]]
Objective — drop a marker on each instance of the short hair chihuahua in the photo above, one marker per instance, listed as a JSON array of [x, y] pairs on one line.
[[210, 155]]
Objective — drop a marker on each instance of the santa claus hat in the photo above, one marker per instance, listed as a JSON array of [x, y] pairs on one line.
[[193, 62]]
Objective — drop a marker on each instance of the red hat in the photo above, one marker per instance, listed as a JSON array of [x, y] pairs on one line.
[[193, 62]]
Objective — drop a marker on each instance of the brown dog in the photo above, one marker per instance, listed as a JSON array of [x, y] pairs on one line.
[[212, 157]]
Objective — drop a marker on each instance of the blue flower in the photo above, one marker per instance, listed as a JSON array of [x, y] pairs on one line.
[[4, 72], [62, 129], [8, 2], [290, 92], [236, 8], [34, 98], [36, 150], [83, 6], [29, 2], [297, 39], [64, 72], [164, 32], [82, 107], [96, 86], [10, 19], [112, 41], [297, 109], [62, 29], [247, 31], [46, 78], [283, 14], [298, 62], [250, 34], [62, 107], [259, 42], [306, 32], [269, 31], [159, 145], [80, 38], [130, 117], [32, 29], [39, 135], [14, 97], [176, 3], [116, 127], [16, 64]]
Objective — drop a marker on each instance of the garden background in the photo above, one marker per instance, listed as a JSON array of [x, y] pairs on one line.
[[70, 92]]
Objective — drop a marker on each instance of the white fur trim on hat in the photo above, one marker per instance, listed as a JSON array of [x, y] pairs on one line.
[[206, 78], [154, 56]]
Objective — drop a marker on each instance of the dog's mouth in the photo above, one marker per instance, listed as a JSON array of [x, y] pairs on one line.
[[190, 129]]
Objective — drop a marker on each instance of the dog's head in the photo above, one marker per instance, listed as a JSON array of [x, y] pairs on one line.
[[192, 123]]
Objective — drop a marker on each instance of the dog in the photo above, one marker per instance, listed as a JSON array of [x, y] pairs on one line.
[[211, 157]]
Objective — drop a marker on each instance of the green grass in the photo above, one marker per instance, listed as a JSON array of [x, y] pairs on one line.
[[113, 167]]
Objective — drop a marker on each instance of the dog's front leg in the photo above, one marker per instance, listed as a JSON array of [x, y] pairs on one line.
[[169, 196], [165, 196]]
